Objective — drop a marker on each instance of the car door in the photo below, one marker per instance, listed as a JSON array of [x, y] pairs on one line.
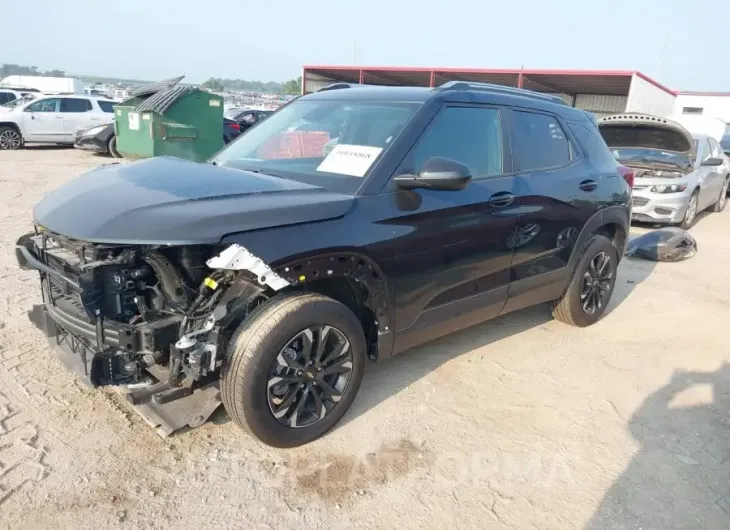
[[43, 121], [557, 195], [452, 255], [77, 116], [718, 174], [707, 176]]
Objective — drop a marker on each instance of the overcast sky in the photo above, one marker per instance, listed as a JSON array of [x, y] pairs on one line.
[[268, 40]]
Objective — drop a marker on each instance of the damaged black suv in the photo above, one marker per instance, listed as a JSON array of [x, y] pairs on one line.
[[352, 224]]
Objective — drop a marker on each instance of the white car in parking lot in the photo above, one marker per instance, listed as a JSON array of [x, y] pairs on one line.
[[676, 175], [53, 119]]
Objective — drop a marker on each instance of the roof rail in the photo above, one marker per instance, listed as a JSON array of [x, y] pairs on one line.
[[488, 87], [335, 86]]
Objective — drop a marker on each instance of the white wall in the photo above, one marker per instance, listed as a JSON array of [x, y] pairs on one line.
[[712, 106], [648, 98]]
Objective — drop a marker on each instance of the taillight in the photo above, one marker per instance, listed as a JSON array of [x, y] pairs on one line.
[[235, 125], [627, 173]]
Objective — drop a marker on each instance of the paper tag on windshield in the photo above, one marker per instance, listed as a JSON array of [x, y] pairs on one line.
[[353, 160]]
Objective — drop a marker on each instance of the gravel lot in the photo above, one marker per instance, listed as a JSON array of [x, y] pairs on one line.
[[517, 423]]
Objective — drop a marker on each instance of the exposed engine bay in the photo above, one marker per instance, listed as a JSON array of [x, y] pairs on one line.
[[155, 319]]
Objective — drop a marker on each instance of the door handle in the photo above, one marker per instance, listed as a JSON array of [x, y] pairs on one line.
[[588, 185], [58, 117], [501, 199]]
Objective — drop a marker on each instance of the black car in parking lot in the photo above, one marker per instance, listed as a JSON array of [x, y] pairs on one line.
[[102, 139], [247, 118], [353, 224]]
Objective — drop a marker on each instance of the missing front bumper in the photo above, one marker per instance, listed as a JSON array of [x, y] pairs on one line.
[[166, 418]]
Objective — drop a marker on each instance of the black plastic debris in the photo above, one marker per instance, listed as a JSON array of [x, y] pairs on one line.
[[665, 244]]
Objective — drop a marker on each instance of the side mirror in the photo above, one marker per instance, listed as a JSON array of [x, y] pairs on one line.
[[712, 162], [437, 174]]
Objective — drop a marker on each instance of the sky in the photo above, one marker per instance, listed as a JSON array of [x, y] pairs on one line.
[[680, 44]]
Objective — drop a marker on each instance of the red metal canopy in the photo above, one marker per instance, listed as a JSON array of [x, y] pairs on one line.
[[608, 82]]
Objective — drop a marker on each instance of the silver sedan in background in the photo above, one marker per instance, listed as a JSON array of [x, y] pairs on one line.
[[676, 175]]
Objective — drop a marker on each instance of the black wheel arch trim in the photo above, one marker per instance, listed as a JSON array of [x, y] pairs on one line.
[[345, 264], [612, 215]]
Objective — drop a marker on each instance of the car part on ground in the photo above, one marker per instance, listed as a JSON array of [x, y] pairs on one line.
[[348, 226], [664, 244], [677, 176]]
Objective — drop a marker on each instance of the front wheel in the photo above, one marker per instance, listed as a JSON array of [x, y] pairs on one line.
[[690, 214], [10, 139], [293, 368], [722, 199], [591, 286], [112, 147]]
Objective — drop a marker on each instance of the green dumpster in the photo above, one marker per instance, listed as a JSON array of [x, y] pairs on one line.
[[169, 119]]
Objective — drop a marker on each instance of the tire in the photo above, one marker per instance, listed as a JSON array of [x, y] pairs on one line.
[[690, 215], [257, 349], [112, 147], [722, 199], [10, 139], [570, 308]]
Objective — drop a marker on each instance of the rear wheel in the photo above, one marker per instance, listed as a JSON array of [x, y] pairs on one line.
[[10, 139], [722, 199], [591, 286], [112, 147], [690, 213], [293, 368]]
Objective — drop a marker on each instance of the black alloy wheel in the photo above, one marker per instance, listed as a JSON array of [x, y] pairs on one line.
[[596, 287], [591, 285], [309, 376]]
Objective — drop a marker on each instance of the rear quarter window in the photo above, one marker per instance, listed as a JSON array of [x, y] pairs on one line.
[[107, 106]]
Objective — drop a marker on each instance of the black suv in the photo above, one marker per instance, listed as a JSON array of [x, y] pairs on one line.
[[352, 224]]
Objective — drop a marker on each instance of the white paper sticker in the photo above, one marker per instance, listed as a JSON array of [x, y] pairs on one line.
[[134, 121], [146, 116], [353, 160], [215, 103]]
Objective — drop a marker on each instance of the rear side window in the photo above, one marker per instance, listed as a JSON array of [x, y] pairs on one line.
[[75, 105], [107, 106], [539, 142], [471, 136], [6, 97]]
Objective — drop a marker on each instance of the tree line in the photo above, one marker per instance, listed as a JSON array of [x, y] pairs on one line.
[[291, 87], [19, 69]]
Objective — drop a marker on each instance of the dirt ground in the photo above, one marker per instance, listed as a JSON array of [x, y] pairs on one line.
[[522, 422]]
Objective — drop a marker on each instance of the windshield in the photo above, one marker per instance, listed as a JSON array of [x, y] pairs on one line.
[[327, 143], [232, 113], [20, 101]]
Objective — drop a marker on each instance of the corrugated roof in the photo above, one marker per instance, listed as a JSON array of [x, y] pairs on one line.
[[153, 88], [163, 100]]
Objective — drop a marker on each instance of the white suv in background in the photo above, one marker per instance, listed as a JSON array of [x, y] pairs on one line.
[[53, 119]]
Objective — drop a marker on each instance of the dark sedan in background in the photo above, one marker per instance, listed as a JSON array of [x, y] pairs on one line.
[[247, 118], [102, 139]]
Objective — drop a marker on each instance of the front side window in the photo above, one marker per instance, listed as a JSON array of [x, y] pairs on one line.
[[45, 105], [75, 105], [469, 135], [327, 143], [715, 148], [538, 142]]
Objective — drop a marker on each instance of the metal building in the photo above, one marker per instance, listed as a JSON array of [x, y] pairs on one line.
[[709, 104], [599, 91]]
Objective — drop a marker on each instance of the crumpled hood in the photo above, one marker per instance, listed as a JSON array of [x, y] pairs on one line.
[[171, 201]]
